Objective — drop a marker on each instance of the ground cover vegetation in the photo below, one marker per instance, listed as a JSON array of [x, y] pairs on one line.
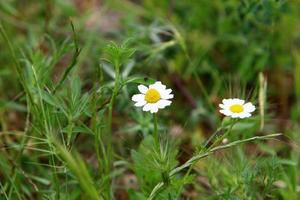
[[149, 99]]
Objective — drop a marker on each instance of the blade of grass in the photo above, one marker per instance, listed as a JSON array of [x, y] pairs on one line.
[[297, 79], [16, 65], [73, 62], [3, 191], [79, 169], [262, 99]]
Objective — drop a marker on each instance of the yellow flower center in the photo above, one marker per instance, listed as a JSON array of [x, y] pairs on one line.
[[152, 96], [236, 108]]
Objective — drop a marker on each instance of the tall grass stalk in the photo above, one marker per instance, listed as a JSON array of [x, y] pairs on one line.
[[262, 99]]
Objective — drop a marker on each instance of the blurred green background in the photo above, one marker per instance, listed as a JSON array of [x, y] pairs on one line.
[[205, 50]]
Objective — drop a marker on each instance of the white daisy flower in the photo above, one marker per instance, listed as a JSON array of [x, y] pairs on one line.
[[236, 108], [152, 98]]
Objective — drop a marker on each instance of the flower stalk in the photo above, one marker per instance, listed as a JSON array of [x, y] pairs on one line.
[[155, 132], [110, 115]]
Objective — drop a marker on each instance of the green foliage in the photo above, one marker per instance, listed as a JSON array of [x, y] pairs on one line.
[[250, 182], [118, 54], [68, 128], [77, 166], [147, 160], [152, 166]]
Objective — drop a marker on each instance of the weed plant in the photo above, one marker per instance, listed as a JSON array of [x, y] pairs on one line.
[[149, 99]]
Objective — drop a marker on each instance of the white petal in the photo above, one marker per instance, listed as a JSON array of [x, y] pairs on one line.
[[249, 107], [226, 101], [154, 108], [222, 106], [143, 89], [138, 97], [163, 103], [169, 96], [158, 86], [235, 115], [248, 115], [168, 91], [165, 94], [226, 112], [147, 107], [238, 101], [140, 103], [244, 115], [158, 83]]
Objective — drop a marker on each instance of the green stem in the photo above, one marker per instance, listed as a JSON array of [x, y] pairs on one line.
[[110, 114], [97, 135], [224, 135], [204, 91], [164, 174], [112, 100], [212, 137], [165, 178], [70, 132], [99, 144], [155, 132]]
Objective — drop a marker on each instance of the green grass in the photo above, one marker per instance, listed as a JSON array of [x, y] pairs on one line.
[[69, 129]]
